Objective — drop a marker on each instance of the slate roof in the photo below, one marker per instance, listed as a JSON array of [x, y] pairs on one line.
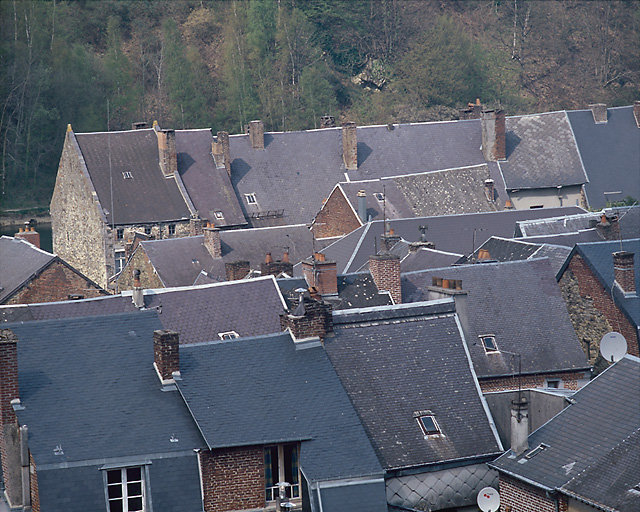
[[450, 233], [610, 153], [425, 258], [397, 360], [148, 196], [582, 454], [599, 257], [179, 261], [250, 308], [101, 369], [269, 391], [520, 304], [20, 262], [541, 152]]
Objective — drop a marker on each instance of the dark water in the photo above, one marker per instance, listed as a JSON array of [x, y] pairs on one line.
[[46, 239]]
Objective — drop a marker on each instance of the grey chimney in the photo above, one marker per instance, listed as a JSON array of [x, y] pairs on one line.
[[519, 426], [212, 241], [599, 111], [137, 297], [350, 146], [362, 205], [636, 112], [489, 189], [225, 151], [256, 134]]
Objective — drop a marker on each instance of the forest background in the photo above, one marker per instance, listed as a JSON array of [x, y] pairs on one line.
[[102, 65]]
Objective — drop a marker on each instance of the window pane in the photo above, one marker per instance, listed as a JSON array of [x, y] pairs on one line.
[[113, 476], [429, 424], [134, 489], [271, 466], [291, 464], [135, 504], [115, 491], [115, 506], [133, 474]]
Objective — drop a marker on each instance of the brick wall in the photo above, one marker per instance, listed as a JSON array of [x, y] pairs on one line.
[[233, 478], [570, 380], [9, 439], [56, 282], [593, 295], [317, 320], [385, 271], [516, 496], [148, 277], [336, 218], [33, 480]]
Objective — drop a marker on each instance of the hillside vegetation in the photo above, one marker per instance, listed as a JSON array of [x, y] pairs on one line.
[[103, 65]]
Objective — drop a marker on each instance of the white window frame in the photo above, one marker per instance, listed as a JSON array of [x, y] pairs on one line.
[[486, 349], [228, 335], [124, 487], [270, 492], [171, 229], [379, 196], [251, 198], [120, 260], [218, 215], [426, 433]]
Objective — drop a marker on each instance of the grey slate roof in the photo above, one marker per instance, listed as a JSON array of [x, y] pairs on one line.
[[397, 360], [610, 153], [599, 257], [148, 196], [266, 390], [425, 258], [250, 308], [20, 261], [520, 304], [365, 497], [578, 446], [101, 369], [541, 152], [450, 233]]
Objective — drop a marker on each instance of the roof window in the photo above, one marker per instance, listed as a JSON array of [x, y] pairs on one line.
[[251, 198], [228, 335], [428, 425], [379, 196], [489, 344], [219, 215], [541, 447], [127, 175]]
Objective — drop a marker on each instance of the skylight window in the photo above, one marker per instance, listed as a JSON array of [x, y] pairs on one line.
[[228, 335], [489, 343], [127, 175], [541, 447], [428, 425], [219, 215], [379, 196], [251, 198]]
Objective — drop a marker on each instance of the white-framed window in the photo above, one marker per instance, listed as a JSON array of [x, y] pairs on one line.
[[120, 260], [541, 447], [127, 175], [281, 465], [119, 233], [489, 343], [126, 489], [251, 198], [172, 229], [218, 215], [379, 196], [228, 335], [429, 425]]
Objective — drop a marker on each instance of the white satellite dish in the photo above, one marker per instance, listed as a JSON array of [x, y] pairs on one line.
[[488, 500], [613, 346]]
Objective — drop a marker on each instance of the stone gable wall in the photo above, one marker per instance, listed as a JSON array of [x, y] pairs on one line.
[[148, 277]]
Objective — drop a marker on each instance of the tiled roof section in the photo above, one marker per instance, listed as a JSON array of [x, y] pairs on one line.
[[20, 261], [613, 480], [250, 308], [599, 257], [610, 152], [265, 390], [541, 152], [209, 188], [397, 361], [101, 369], [449, 233], [179, 261], [520, 304], [147, 196], [425, 258], [575, 442]]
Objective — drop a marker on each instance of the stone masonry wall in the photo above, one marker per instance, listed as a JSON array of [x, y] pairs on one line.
[[336, 218], [79, 234], [233, 478], [570, 380], [592, 300], [148, 277], [516, 496], [56, 282]]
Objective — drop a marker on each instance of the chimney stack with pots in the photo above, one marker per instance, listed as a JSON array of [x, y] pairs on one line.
[[277, 267], [624, 271], [327, 121], [385, 271], [256, 134], [350, 146], [609, 227], [307, 318], [166, 354], [494, 135], [362, 205], [29, 234], [320, 274], [221, 151], [489, 190], [212, 241], [237, 270], [167, 151], [473, 110], [599, 111], [519, 426]]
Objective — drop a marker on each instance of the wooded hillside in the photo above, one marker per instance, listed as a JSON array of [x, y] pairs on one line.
[[105, 64]]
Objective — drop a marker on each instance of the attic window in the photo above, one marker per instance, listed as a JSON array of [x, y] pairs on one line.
[[120, 233], [127, 175], [219, 215], [251, 198], [228, 335], [379, 196], [536, 451], [147, 230], [172, 229], [489, 344], [429, 425]]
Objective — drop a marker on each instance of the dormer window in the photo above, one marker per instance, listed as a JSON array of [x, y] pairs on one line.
[[251, 198], [489, 344], [429, 425], [228, 335]]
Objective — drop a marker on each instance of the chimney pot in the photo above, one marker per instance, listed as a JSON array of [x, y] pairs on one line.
[[508, 204], [494, 141], [599, 112], [624, 271], [268, 259], [350, 146], [318, 256], [256, 134], [445, 283], [285, 257], [636, 112], [166, 350]]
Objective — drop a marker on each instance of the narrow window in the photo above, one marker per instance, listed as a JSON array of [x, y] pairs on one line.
[[489, 344], [120, 233], [120, 260], [281, 465], [228, 335], [251, 198], [147, 230], [553, 383], [219, 215], [428, 425], [125, 490], [172, 229]]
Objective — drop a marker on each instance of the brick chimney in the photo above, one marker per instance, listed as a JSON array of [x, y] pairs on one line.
[[140, 125], [221, 148], [385, 271], [599, 111], [212, 241], [275, 268], [166, 353], [237, 270], [9, 373], [636, 112], [489, 190], [350, 146], [167, 151], [609, 227], [256, 134], [473, 110], [494, 142], [196, 226], [327, 121], [29, 234], [624, 271], [307, 318], [519, 426], [321, 274]]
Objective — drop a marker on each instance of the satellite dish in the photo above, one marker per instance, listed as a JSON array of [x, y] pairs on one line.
[[613, 346], [488, 500]]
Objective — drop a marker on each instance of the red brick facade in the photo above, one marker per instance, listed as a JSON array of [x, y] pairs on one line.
[[166, 353], [336, 218], [591, 289], [570, 380], [385, 270], [56, 282], [233, 478], [33, 482], [8, 421], [516, 496]]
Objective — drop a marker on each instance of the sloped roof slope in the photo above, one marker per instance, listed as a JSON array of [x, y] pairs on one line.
[[20, 261]]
